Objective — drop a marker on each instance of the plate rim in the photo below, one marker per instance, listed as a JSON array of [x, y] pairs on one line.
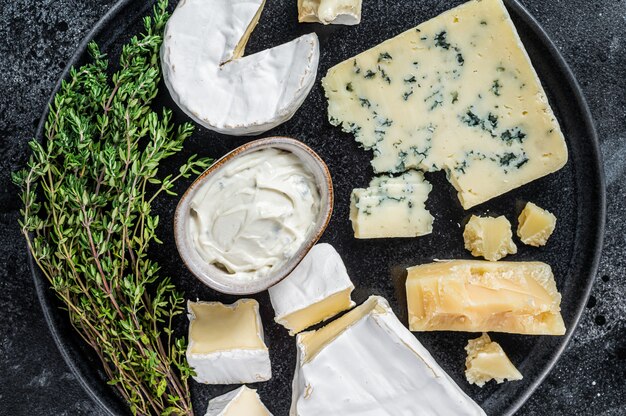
[[42, 288]]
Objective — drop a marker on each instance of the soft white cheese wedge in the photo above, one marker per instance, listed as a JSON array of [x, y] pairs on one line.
[[210, 80], [226, 343], [367, 363], [337, 12], [240, 402], [318, 289]]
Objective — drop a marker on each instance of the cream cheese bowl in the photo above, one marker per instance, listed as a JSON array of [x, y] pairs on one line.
[[218, 278]]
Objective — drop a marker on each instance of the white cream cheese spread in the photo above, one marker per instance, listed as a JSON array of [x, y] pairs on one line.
[[252, 216]]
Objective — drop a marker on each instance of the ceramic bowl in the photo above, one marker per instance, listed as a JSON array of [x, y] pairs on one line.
[[215, 277]]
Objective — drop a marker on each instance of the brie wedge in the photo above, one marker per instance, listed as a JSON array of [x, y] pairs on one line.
[[367, 363], [338, 12], [487, 361], [240, 402], [226, 343], [210, 80], [481, 296], [318, 289]]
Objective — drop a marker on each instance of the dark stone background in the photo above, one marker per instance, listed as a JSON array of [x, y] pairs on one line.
[[38, 36]]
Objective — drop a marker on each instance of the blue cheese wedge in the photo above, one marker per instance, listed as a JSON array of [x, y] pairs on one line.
[[457, 93], [241, 402], [392, 207], [368, 363], [318, 289], [226, 344]]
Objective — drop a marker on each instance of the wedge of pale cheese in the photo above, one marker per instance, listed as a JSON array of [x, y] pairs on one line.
[[536, 225], [486, 361], [337, 12], [210, 80], [457, 93], [392, 207], [489, 237], [226, 344], [366, 363], [241, 402], [483, 296], [318, 289]]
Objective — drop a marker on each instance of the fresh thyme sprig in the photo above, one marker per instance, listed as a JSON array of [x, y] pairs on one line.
[[87, 195]]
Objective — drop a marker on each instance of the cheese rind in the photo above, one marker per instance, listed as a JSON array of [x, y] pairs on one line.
[[226, 343], [457, 93], [212, 83], [483, 296], [536, 225], [241, 402], [338, 12], [486, 360], [392, 207], [489, 237], [367, 363], [318, 289]]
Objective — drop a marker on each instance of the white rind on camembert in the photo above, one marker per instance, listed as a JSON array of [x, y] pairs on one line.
[[210, 80], [318, 289], [337, 12], [241, 402], [368, 363], [226, 344], [457, 93]]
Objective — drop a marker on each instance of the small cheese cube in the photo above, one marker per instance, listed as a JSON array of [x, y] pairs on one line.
[[338, 12], [536, 225], [392, 207], [482, 296], [240, 402], [490, 238], [487, 361], [226, 343], [318, 289]]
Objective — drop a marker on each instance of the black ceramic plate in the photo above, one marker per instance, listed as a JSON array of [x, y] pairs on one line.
[[575, 194]]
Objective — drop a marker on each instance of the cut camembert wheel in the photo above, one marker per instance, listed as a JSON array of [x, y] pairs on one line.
[[210, 80]]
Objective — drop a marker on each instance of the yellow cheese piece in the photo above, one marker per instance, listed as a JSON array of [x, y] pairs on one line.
[[482, 296], [247, 403], [338, 12], [457, 93], [218, 327], [313, 342], [489, 237], [487, 361], [536, 225], [318, 312]]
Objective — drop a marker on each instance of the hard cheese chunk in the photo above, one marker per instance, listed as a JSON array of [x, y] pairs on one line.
[[482, 296], [457, 93], [240, 402], [536, 225], [368, 363], [392, 207], [487, 361], [318, 289], [338, 12], [488, 237], [226, 343]]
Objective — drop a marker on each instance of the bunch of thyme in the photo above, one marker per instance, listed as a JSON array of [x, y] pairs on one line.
[[87, 195]]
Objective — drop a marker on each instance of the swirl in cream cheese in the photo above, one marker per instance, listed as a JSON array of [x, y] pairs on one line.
[[253, 215]]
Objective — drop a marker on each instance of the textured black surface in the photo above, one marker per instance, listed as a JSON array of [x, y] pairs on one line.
[[590, 377]]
